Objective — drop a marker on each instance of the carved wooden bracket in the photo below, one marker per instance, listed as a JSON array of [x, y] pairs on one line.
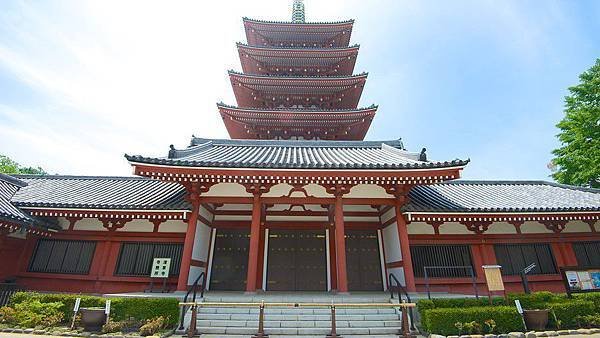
[[72, 221], [556, 226], [591, 223], [337, 190], [114, 224], [517, 225], [157, 223], [297, 188], [436, 226], [478, 227], [257, 188]]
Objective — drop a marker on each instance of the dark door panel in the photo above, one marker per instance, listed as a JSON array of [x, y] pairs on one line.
[[363, 264], [297, 261], [229, 267]]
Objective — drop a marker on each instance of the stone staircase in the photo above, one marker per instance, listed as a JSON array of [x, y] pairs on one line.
[[299, 322]]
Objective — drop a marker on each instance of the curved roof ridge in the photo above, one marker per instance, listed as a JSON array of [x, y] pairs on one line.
[[299, 23], [524, 182], [299, 77], [300, 48], [298, 110], [13, 180], [80, 177]]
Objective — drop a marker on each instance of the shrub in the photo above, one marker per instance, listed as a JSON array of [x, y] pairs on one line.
[[8, 315], [593, 297], [443, 320], [124, 308], [588, 321], [33, 313], [536, 300], [567, 312], [152, 326]]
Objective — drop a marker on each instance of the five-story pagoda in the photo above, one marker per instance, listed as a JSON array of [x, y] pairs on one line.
[[297, 82]]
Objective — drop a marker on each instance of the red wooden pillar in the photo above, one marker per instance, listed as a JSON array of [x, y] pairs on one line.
[[253, 253], [569, 257], [409, 276], [332, 261], [188, 244], [340, 245]]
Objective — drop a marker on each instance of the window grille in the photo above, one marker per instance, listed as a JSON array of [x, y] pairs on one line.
[[62, 256], [515, 257], [587, 253], [135, 259], [441, 256]]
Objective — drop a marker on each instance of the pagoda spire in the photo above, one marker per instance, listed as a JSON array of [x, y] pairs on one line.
[[298, 11]]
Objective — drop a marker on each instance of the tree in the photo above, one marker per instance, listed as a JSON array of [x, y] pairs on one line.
[[577, 160], [8, 166]]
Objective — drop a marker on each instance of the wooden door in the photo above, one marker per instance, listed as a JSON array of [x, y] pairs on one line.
[[230, 261], [296, 261], [363, 263]]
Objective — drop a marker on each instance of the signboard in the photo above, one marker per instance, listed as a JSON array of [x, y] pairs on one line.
[[160, 267], [493, 277], [581, 279], [519, 307]]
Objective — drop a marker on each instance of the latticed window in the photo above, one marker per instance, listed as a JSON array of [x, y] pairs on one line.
[[515, 257], [441, 260], [135, 259], [588, 254], [61, 256]]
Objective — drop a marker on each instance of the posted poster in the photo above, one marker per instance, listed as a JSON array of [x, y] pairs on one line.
[[585, 280], [573, 280], [595, 275]]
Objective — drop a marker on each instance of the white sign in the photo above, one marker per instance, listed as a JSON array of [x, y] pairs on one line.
[[160, 267], [77, 302], [519, 307], [107, 307]]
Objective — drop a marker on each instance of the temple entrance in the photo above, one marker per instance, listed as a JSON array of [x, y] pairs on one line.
[[297, 261], [363, 261], [230, 262]]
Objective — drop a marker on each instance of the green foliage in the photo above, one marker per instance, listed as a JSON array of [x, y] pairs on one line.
[[578, 158], [567, 313], [152, 326], [121, 326], [138, 309], [537, 300], [444, 320], [593, 297], [588, 321], [32, 313], [8, 166]]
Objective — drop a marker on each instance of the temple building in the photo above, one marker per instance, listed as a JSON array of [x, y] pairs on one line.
[[295, 200]]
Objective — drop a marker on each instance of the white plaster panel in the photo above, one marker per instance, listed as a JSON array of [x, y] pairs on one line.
[[361, 218], [201, 242], [420, 228], [534, 227], [367, 191], [316, 190], [202, 211], [228, 190], [233, 217], [597, 226], [138, 225], [501, 228], [399, 273], [63, 223], [388, 215], [89, 224], [391, 243], [454, 228], [281, 189], [195, 271], [359, 207], [577, 226], [235, 207], [173, 226]]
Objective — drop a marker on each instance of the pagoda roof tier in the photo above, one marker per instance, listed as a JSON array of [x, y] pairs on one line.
[[298, 34], [331, 92], [244, 123], [296, 154], [297, 61]]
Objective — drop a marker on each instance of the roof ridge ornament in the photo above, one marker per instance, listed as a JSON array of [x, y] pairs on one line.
[[298, 11]]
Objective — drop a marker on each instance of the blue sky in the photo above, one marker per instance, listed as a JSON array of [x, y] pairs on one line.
[[83, 82]]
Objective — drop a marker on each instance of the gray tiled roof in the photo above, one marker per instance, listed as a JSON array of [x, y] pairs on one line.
[[8, 211], [502, 196], [92, 192], [299, 23], [279, 154]]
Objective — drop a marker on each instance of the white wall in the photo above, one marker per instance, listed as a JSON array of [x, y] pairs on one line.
[[201, 244]]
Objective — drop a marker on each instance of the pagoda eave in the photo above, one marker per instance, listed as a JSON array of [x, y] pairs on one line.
[[297, 124]]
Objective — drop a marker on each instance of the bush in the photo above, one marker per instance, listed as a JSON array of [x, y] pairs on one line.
[[589, 321], [152, 326], [443, 320], [32, 313], [8, 315], [567, 313], [593, 297], [124, 308], [536, 300]]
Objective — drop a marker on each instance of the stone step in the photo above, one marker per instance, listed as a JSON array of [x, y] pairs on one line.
[[300, 331], [298, 324], [295, 336], [295, 311], [286, 317]]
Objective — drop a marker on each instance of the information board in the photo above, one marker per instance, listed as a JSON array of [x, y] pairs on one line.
[[493, 277], [578, 279], [160, 267]]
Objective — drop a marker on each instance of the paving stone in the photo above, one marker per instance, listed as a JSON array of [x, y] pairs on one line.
[[584, 331], [516, 335], [531, 335], [551, 333], [563, 332]]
